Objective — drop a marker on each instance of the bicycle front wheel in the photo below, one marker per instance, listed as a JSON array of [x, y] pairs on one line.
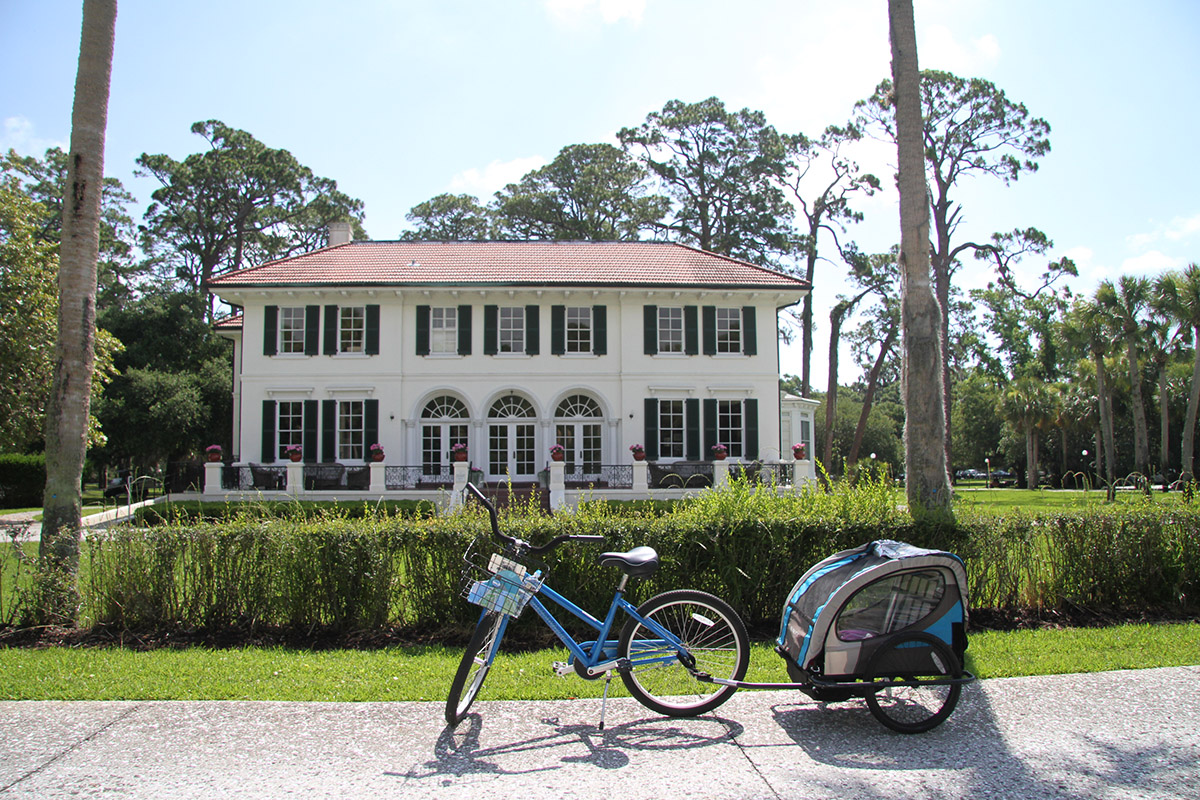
[[473, 668], [714, 636]]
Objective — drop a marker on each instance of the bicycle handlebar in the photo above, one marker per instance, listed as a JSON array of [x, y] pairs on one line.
[[531, 549]]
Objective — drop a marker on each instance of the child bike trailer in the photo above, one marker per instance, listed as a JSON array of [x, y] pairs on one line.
[[885, 621]]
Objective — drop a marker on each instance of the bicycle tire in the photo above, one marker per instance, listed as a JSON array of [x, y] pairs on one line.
[[715, 636], [474, 667], [914, 708]]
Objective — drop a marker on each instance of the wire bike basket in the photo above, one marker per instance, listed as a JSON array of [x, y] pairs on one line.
[[498, 583]]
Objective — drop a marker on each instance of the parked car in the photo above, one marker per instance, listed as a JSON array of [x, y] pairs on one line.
[[118, 487], [969, 474]]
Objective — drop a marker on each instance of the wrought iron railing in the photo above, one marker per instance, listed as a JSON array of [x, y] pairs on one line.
[[608, 476], [681, 475]]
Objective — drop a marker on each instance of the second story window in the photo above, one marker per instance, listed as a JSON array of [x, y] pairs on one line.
[[511, 331], [352, 329], [670, 330], [443, 330], [579, 330], [729, 330], [291, 329]]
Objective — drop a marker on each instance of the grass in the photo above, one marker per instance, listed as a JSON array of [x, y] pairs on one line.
[[1055, 499], [424, 673]]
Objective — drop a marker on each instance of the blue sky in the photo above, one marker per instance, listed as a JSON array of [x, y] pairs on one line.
[[399, 101]]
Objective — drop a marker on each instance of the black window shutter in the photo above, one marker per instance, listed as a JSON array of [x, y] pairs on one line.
[[268, 431], [710, 330], [710, 425], [464, 330], [372, 330], [422, 330], [491, 327], [558, 330], [750, 415], [651, 412], [600, 330], [650, 330], [533, 336], [312, 330], [749, 332], [270, 330], [331, 330], [370, 422], [329, 430], [691, 331], [310, 430], [691, 421]]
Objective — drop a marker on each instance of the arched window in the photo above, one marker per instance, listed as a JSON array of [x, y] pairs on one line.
[[443, 425], [511, 439], [578, 429]]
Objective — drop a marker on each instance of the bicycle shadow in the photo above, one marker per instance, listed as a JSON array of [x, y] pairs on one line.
[[459, 751]]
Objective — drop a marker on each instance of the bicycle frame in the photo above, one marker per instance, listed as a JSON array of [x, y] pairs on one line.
[[601, 656]]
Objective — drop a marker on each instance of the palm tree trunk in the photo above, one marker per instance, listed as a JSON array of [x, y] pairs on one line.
[[1193, 406], [927, 481], [1164, 424], [70, 390], [1141, 435]]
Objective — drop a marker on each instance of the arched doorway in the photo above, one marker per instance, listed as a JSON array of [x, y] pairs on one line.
[[443, 425], [577, 427], [511, 440]]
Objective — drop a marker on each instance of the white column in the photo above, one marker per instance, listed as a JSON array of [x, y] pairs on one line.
[[295, 477], [641, 476], [212, 477], [558, 484], [720, 472], [803, 471], [462, 470], [378, 477]]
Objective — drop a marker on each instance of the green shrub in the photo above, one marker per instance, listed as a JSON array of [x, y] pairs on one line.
[[22, 480], [321, 569]]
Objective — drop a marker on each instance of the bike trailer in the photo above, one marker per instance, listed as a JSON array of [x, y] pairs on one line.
[[853, 604]]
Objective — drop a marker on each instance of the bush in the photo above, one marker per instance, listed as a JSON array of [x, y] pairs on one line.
[[22, 480], [321, 570]]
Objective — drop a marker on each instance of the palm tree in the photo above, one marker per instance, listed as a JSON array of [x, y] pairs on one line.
[[1126, 303], [1028, 404], [67, 407], [1085, 327], [1180, 293], [927, 481]]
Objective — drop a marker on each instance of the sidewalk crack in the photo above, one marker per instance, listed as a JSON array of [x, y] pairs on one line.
[[71, 749]]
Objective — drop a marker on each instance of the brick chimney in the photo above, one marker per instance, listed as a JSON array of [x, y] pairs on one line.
[[339, 233]]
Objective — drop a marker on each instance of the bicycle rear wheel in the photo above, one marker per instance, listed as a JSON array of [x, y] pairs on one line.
[[476, 662], [714, 636]]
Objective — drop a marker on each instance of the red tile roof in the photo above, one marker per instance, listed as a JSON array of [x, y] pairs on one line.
[[648, 264]]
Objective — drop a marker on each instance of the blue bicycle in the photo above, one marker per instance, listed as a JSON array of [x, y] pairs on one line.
[[670, 650]]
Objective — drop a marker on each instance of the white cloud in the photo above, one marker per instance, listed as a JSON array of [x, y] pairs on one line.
[[483, 183], [576, 12], [940, 49], [1177, 230], [18, 134], [1154, 262]]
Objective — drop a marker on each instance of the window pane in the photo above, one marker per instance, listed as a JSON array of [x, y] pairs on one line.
[[443, 330], [579, 330], [290, 427], [670, 429], [353, 329], [512, 330], [729, 425], [729, 330], [291, 330], [670, 330], [350, 429]]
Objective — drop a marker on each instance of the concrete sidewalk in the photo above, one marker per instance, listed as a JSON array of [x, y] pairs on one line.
[[1109, 735]]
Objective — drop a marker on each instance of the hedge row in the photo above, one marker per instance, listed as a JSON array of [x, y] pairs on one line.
[[22, 480], [743, 544]]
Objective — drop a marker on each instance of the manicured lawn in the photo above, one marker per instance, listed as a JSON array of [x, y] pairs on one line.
[[1055, 499], [424, 673]]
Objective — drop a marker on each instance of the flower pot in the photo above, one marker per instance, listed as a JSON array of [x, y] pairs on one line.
[[214, 456], [295, 456], [639, 456], [719, 456], [557, 456], [377, 456], [460, 455]]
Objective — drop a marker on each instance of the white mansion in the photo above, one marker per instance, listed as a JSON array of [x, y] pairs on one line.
[[507, 351]]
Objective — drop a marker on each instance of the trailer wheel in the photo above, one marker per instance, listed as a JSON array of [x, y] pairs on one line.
[[913, 706]]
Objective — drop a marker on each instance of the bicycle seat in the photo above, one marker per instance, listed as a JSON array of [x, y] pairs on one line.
[[640, 562]]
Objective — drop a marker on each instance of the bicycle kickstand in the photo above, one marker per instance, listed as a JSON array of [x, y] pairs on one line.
[[604, 699]]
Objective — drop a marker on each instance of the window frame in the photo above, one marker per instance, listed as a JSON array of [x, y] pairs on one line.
[[352, 330], [291, 336], [671, 330], [443, 331], [510, 330], [730, 330]]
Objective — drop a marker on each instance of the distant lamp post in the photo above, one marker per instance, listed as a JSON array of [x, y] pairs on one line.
[[987, 462]]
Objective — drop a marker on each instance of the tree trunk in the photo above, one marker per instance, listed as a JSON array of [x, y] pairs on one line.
[[1106, 426], [869, 396], [1193, 406], [1164, 424], [835, 329], [1031, 458], [927, 480], [68, 403], [1141, 435]]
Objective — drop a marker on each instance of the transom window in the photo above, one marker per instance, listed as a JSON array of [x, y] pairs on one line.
[[444, 407], [578, 405], [670, 330], [290, 428], [351, 424], [511, 331], [729, 330], [729, 425], [511, 406], [443, 330], [352, 329], [670, 429], [291, 330], [579, 330]]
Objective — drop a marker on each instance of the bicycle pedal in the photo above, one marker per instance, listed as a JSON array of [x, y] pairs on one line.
[[562, 669]]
